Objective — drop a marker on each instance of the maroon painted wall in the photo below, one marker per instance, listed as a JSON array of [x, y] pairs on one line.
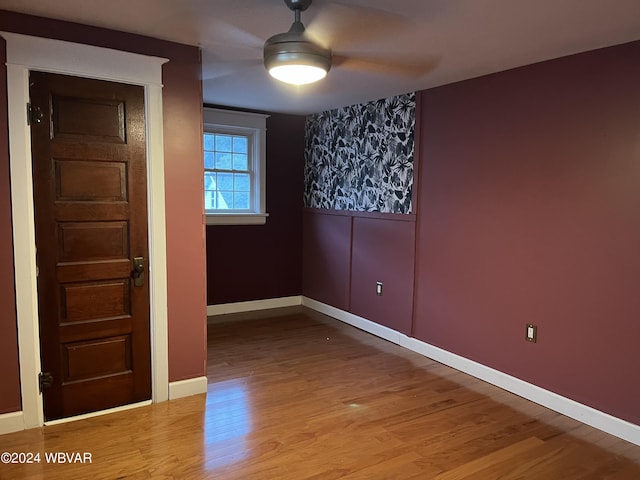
[[182, 109], [345, 253], [326, 275], [383, 251], [9, 373], [529, 212], [254, 262]]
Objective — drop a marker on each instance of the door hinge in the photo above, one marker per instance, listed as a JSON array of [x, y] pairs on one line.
[[34, 114], [45, 379]]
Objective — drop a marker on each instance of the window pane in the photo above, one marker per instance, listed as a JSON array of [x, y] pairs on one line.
[[223, 161], [225, 181], [225, 199], [240, 144], [242, 182], [208, 141], [209, 181], [210, 190], [223, 143], [240, 162], [209, 200], [208, 159], [241, 200]]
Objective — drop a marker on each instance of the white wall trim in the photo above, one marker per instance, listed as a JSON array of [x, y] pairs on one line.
[[26, 53], [24, 249], [254, 125], [186, 388], [11, 422], [254, 305], [566, 406], [48, 55], [159, 315], [354, 320], [583, 413]]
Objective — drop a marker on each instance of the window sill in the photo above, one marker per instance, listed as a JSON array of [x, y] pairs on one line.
[[236, 218]]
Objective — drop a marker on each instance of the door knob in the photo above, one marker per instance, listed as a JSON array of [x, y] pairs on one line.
[[138, 271]]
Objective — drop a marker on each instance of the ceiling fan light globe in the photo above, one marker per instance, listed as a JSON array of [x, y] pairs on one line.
[[298, 74], [292, 58]]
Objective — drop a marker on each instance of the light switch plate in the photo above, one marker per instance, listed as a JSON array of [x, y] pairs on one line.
[[531, 333]]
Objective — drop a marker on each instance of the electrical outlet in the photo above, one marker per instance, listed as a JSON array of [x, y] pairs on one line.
[[379, 288], [531, 333]]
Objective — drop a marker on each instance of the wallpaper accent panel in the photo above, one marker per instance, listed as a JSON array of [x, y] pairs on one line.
[[360, 158]]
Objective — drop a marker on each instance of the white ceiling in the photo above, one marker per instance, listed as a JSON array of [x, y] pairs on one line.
[[395, 46]]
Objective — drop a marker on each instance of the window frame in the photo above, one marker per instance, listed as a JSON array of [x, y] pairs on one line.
[[251, 171], [253, 126]]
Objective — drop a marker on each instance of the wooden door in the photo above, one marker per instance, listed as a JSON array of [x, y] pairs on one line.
[[89, 173]]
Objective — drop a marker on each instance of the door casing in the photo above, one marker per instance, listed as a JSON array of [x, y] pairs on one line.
[[25, 53]]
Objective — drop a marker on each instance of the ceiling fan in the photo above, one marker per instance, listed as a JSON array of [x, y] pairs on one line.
[[333, 39], [293, 57]]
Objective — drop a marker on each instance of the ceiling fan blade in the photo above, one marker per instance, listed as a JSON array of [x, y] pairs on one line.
[[237, 36], [405, 67], [339, 26], [213, 69]]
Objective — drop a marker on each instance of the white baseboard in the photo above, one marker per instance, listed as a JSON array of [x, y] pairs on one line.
[[11, 422], [354, 320], [578, 411], [186, 388], [254, 305]]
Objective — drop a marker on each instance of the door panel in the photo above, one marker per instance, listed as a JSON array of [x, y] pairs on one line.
[[93, 301], [89, 168], [85, 241], [91, 181]]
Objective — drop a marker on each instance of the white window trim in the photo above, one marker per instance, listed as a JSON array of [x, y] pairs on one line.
[[256, 125]]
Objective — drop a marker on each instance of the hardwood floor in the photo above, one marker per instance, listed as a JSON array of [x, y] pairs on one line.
[[302, 396]]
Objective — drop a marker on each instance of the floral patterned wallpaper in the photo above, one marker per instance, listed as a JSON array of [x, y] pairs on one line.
[[361, 157]]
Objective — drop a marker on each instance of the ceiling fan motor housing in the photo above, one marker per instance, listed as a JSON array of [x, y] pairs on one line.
[[300, 5], [294, 48]]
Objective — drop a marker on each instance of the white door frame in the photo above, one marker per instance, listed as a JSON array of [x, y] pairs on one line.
[[25, 53]]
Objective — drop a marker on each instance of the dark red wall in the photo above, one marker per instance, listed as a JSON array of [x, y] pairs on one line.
[[182, 110], [383, 251], [346, 253], [326, 275], [254, 262], [529, 212]]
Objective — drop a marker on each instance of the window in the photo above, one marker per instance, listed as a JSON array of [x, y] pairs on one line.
[[227, 176], [234, 167]]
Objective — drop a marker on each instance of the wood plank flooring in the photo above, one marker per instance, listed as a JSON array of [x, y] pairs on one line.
[[301, 396]]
